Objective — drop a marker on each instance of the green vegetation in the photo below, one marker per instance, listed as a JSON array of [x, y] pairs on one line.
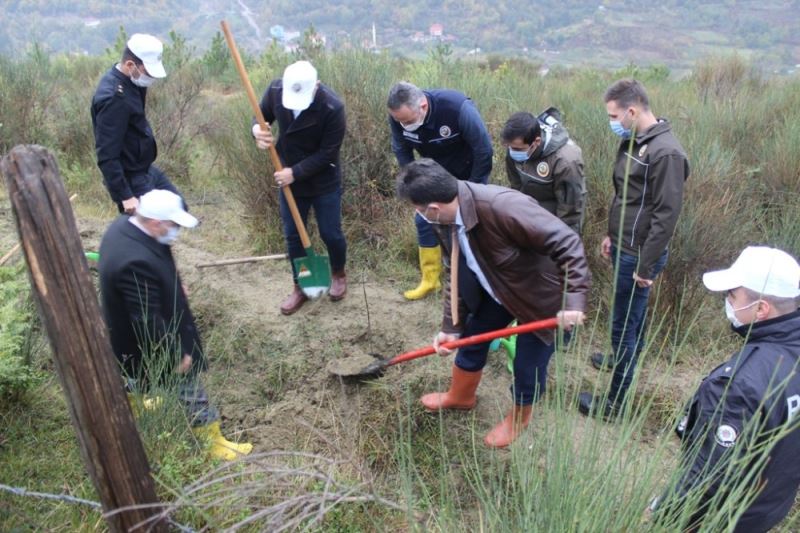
[[394, 466], [16, 335]]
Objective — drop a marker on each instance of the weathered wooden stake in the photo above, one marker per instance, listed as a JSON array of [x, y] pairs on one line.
[[67, 302]]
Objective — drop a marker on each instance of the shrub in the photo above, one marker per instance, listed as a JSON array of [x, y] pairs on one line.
[[16, 328]]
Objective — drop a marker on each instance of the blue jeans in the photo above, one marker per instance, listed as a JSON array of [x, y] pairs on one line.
[[530, 363], [629, 320], [328, 210], [425, 236]]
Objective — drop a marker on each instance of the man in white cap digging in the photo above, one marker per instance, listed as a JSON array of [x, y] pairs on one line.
[[312, 124], [740, 437], [152, 329], [124, 141]]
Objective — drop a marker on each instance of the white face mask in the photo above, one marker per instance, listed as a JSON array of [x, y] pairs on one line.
[[143, 80], [170, 236], [414, 126], [426, 219], [730, 312]]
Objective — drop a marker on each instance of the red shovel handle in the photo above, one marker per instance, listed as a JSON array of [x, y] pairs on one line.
[[550, 323]]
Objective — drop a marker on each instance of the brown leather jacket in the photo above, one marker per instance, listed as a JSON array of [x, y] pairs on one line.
[[534, 262]]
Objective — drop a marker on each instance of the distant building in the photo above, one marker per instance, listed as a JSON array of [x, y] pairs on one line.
[[91, 22], [436, 30]]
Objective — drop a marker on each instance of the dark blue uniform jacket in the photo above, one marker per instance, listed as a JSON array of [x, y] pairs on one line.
[[453, 135], [744, 403], [124, 141]]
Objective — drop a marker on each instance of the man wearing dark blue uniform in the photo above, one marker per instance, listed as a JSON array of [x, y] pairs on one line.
[[445, 126], [124, 141], [740, 436]]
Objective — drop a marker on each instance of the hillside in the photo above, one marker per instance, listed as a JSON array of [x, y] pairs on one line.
[[611, 33]]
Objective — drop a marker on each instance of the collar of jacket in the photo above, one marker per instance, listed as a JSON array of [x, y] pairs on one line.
[[125, 80], [661, 126], [137, 234], [466, 205], [786, 327]]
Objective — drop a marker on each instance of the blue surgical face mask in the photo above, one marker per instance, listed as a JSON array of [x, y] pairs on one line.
[[170, 236], [619, 129], [143, 80], [520, 156]]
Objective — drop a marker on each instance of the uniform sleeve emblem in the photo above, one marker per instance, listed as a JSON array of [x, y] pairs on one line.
[[726, 436], [543, 169], [445, 131], [642, 150]]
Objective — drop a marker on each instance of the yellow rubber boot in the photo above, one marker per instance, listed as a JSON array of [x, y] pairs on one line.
[[219, 446], [430, 263]]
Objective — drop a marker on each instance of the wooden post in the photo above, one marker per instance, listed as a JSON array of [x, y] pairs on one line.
[[67, 303]]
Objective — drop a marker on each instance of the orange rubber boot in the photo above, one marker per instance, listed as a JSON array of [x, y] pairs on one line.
[[461, 394], [509, 429]]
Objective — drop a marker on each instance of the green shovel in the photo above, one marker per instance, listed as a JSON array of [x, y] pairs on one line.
[[313, 271]]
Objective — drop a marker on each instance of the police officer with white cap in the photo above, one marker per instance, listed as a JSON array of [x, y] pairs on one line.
[[740, 435], [124, 141]]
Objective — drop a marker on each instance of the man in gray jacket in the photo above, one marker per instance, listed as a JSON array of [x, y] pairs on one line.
[[543, 162], [649, 175]]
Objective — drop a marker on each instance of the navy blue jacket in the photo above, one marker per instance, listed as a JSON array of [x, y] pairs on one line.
[[752, 395], [143, 302], [124, 141], [453, 135], [310, 143]]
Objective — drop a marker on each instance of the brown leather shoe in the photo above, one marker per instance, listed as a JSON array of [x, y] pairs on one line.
[[338, 286], [294, 301]]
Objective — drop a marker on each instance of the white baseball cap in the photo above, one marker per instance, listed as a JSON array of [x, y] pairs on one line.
[[159, 204], [149, 50], [761, 269], [299, 82]]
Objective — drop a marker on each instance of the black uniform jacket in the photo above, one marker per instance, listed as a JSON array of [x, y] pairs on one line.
[[124, 141], [745, 403], [143, 301], [310, 143]]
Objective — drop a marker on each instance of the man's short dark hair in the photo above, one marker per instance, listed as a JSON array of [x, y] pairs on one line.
[[127, 55], [627, 93], [522, 125], [404, 94], [424, 181]]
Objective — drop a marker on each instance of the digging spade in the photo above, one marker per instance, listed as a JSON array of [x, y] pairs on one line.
[[313, 271], [377, 367]]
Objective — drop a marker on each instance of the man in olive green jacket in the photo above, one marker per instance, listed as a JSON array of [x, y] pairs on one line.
[[543, 162]]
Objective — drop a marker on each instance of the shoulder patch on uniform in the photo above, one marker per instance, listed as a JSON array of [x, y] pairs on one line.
[[120, 88], [726, 436], [543, 169], [642, 150], [445, 131]]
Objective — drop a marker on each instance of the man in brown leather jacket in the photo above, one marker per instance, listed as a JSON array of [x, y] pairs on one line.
[[514, 261]]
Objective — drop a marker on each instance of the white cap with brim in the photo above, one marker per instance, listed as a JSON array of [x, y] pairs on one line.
[[149, 49], [761, 269], [159, 204], [299, 82]]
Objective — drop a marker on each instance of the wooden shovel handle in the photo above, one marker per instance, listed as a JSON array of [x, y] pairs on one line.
[[550, 323], [240, 260], [276, 161]]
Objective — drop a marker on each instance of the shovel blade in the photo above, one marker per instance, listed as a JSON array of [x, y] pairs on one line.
[[313, 274]]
